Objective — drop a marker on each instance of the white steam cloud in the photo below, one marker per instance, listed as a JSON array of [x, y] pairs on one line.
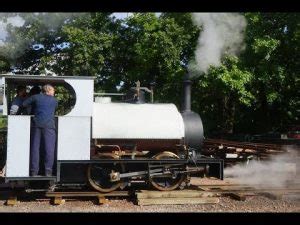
[[278, 172], [13, 44], [15, 21], [222, 33]]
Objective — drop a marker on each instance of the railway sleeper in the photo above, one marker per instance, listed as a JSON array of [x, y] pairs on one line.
[[12, 201]]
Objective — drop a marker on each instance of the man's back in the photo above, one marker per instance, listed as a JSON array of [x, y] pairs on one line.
[[44, 109]]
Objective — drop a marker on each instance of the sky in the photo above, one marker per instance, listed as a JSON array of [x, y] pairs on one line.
[[121, 15]]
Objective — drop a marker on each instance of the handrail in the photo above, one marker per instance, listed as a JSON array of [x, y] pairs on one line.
[[108, 94]]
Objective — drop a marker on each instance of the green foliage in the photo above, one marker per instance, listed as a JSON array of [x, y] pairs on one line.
[[66, 100], [255, 92], [86, 51], [152, 50], [3, 122], [4, 65], [272, 55], [220, 92]]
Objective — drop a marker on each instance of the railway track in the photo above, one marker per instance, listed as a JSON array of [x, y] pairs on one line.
[[232, 151], [195, 194], [214, 145]]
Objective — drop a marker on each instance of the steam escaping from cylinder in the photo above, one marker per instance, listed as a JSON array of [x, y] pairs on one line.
[[222, 33], [278, 172]]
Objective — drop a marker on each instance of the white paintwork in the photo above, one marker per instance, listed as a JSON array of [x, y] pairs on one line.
[[103, 99], [4, 100], [73, 138], [137, 121], [1, 94], [84, 90], [18, 146], [1, 90], [74, 129], [231, 155]]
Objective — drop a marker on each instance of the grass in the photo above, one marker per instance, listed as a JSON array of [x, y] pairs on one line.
[[3, 122]]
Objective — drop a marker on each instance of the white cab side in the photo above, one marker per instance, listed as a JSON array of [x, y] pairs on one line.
[[84, 90], [73, 138], [18, 146]]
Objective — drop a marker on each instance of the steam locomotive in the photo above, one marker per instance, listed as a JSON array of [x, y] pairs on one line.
[[108, 145]]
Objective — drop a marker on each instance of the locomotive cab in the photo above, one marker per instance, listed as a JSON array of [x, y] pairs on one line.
[[73, 118]]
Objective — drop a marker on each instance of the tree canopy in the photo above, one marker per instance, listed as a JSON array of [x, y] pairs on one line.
[[256, 91]]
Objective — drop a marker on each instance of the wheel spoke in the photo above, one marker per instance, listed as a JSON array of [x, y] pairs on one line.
[[167, 182], [99, 177]]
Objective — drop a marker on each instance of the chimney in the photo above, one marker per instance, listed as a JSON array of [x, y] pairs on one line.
[[186, 101]]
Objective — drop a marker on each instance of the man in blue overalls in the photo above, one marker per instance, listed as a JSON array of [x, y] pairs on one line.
[[43, 128]]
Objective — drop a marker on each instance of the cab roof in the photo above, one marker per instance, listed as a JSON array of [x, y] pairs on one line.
[[45, 77], [19, 78]]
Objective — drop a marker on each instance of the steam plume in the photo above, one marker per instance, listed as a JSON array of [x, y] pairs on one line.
[[221, 33], [13, 44], [278, 172], [15, 21]]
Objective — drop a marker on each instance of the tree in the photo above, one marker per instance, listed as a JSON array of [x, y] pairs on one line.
[[151, 48], [37, 44], [4, 65], [272, 55], [219, 94], [257, 91]]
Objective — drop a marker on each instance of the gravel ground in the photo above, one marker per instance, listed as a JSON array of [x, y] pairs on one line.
[[226, 204], [252, 204]]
